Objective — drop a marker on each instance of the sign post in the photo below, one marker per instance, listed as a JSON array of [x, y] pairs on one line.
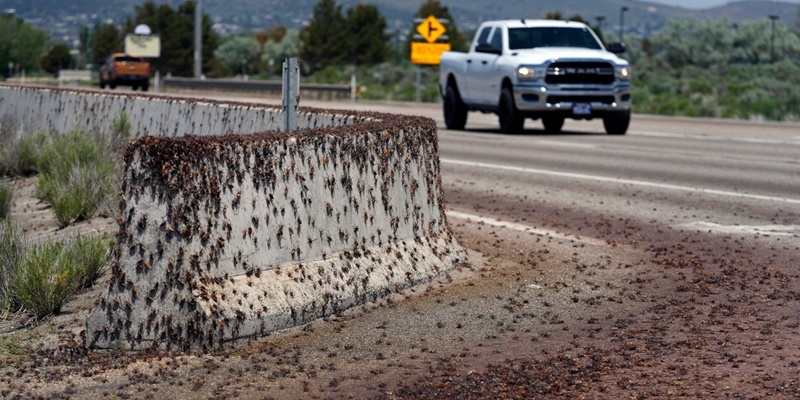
[[429, 44]]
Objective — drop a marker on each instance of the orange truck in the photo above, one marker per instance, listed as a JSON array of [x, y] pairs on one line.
[[125, 70]]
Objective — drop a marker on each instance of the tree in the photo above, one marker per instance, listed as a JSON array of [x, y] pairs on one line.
[[434, 7], [366, 35], [275, 34], [176, 30], [710, 43], [86, 39], [693, 42], [238, 53], [107, 40], [278, 50], [21, 45], [322, 41], [57, 58]]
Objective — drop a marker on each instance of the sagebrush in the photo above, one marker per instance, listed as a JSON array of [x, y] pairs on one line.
[[47, 275]]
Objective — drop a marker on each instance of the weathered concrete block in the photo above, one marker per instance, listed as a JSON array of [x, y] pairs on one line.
[[227, 237]]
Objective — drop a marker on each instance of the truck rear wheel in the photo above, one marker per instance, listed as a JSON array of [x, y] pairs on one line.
[[617, 124], [552, 124], [510, 120], [455, 111]]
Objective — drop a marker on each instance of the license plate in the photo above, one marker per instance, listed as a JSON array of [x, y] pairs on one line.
[[582, 109]]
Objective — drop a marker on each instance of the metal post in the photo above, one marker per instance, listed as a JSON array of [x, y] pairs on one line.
[[622, 23], [772, 39], [419, 84], [291, 94], [600, 19], [353, 88], [198, 39]]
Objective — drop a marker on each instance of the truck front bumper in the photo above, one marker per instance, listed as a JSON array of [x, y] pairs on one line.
[[572, 101]]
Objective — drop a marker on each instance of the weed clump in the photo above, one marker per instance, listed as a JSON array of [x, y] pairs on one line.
[[41, 278], [6, 196]]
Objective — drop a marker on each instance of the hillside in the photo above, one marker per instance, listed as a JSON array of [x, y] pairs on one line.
[[61, 18]]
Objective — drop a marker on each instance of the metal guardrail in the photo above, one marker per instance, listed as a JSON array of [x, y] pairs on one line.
[[75, 75], [321, 91]]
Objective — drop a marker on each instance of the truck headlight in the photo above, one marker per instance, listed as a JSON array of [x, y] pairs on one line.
[[528, 73], [624, 73]]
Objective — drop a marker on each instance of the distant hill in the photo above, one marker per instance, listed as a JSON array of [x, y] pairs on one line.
[[62, 18]]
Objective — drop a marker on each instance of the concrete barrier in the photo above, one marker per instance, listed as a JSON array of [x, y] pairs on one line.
[[225, 237], [74, 76]]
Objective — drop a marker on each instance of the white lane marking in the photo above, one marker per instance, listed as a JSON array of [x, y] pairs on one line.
[[773, 230], [565, 144], [621, 181], [525, 228], [719, 138]]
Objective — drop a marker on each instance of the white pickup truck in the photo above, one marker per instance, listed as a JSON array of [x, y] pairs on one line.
[[537, 69]]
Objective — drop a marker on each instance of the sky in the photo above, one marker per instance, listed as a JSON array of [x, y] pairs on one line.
[[705, 3]]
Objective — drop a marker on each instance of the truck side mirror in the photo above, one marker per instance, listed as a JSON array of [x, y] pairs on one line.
[[616, 47]]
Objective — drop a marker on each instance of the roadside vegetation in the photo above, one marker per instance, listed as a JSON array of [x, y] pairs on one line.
[[694, 68], [6, 195], [77, 174], [40, 278]]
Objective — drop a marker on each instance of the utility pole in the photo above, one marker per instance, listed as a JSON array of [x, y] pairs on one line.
[[198, 39], [772, 39], [622, 22]]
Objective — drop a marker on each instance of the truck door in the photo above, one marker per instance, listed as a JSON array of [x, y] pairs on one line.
[[470, 92], [486, 74]]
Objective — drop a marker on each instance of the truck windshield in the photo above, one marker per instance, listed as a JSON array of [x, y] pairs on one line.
[[529, 38], [128, 59]]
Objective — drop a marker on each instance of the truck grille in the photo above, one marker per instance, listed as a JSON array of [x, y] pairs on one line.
[[580, 73], [580, 99]]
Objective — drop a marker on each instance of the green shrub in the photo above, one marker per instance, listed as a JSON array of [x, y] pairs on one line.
[[120, 134], [49, 274], [30, 152], [6, 196], [91, 255], [69, 204], [41, 278], [12, 249], [74, 175], [8, 146], [47, 277], [77, 194]]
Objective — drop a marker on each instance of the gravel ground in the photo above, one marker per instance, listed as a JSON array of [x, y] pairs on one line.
[[652, 313]]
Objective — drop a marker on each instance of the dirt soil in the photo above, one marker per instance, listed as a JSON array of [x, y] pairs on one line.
[[651, 313]]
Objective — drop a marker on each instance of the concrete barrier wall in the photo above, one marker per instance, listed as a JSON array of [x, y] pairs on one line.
[[58, 110], [224, 238]]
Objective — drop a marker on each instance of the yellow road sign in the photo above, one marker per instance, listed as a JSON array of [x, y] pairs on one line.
[[431, 29], [428, 53]]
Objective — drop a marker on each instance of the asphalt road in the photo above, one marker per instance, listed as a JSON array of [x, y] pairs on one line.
[[724, 177], [663, 262]]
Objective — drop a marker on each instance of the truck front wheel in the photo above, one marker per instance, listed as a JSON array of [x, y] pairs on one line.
[[617, 124], [510, 120], [455, 111]]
